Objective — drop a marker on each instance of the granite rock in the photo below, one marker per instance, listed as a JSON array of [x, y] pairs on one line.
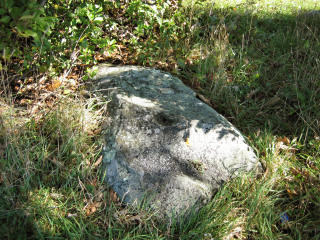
[[164, 144]]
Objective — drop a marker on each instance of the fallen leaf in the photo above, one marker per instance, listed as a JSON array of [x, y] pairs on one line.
[[99, 57], [170, 51], [72, 76], [56, 83], [25, 101], [285, 140], [113, 196], [97, 131], [97, 163], [30, 80], [291, 192], [283, 144], [92, 208], [94, 132]]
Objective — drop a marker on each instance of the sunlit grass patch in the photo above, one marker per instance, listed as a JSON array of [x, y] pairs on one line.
[[267, 6], [47, 168], [256, 63]]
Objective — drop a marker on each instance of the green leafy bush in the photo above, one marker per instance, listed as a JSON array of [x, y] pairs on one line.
[[22, 21], [53, 36]]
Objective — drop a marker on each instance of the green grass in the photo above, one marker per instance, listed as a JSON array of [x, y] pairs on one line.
[[257, 62]]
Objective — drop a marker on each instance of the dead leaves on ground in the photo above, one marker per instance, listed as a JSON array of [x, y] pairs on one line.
[[56, 83], [123, 215], [34, 90], [302, 184], [40, 93], [92, 208], [284, 144], [281, 146], [101, 199], [113, 197], [305, 176]]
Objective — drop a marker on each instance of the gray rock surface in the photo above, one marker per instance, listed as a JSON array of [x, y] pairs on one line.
[[164, 143]]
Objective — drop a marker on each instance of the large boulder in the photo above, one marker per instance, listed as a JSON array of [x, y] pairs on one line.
[[164, 144]]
